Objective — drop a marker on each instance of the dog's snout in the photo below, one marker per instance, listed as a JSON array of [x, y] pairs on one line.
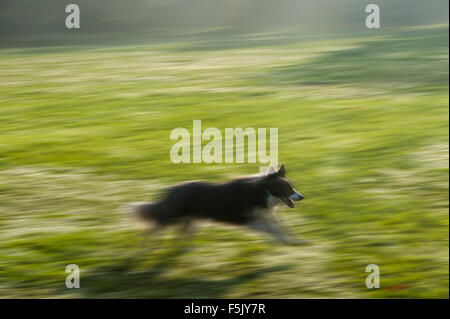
[[297, 196]]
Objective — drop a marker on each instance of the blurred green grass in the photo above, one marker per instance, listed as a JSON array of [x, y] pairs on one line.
[[363, 131]]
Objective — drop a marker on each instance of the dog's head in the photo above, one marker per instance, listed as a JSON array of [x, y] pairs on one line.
[[281, 188]]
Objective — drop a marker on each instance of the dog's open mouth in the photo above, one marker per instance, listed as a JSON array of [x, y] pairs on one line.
[[288, 201]]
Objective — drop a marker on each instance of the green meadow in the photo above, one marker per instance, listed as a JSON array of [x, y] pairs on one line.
[[362, 124]]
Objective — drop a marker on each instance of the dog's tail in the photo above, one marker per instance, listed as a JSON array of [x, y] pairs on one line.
[[147, 212]]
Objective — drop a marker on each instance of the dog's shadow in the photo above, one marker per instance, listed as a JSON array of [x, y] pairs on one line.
[[135, 278]]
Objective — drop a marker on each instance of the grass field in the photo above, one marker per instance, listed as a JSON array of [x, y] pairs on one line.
[[363, 131]]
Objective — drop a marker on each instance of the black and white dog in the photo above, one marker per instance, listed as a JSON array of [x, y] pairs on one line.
[[248, 201]]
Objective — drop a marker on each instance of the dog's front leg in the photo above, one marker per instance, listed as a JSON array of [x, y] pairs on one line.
[[269, 226], [186, 232]]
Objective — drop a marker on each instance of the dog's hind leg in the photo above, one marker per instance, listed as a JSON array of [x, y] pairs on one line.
[[156, 236], [150, 239], [269, 226]]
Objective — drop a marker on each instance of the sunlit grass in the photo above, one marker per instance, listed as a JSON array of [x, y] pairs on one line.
[[363, 131]]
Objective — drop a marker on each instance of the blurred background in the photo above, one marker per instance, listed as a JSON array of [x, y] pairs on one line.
[[86, 115]]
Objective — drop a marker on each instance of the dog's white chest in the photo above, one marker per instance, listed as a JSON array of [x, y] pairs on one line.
[[272, 203]]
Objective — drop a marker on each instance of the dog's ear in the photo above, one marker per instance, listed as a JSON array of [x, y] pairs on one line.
[[271, 170], [281, 171]]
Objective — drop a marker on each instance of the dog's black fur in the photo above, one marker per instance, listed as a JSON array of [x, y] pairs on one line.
[[245, 201]]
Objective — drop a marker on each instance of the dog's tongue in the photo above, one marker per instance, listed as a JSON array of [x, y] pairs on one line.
[[288, 202]]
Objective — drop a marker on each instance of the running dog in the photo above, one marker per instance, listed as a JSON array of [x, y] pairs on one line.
[[248, 201]]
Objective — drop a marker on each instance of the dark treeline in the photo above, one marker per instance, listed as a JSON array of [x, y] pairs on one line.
[[26, 19]]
